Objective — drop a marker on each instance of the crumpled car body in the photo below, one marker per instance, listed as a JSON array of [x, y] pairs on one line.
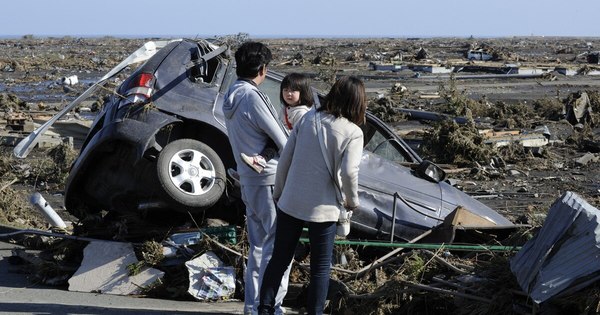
[[160, 143]]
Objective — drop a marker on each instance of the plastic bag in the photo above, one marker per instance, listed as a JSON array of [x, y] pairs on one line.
[[209, 278]]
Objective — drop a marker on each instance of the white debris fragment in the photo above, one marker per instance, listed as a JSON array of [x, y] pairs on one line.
[[70, 80], [209, 278], [51, 216], [104, 270]]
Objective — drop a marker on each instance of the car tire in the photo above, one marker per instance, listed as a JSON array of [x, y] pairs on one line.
[[191, 174]]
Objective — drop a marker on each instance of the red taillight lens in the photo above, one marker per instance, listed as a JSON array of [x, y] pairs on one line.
[[139, 90], [141, 85], [144, 79]]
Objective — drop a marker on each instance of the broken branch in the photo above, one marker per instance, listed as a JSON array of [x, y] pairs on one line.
[[6, 185], [443, 262], [444, 291]]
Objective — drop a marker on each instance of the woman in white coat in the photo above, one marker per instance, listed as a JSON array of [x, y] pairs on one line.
[[316, 179]]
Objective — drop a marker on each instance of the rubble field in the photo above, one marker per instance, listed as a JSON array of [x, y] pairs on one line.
[[520, 130]]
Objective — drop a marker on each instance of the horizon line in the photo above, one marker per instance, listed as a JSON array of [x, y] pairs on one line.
[[133, 36]]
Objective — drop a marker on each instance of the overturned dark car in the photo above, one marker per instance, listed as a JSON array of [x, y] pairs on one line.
[[160, 144]]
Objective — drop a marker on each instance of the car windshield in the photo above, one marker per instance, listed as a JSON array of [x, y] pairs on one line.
[[378, 141]]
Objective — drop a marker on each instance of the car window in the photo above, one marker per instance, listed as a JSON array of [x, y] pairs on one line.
[[270, 86], [229, 78], [203, 72], [382, 144]]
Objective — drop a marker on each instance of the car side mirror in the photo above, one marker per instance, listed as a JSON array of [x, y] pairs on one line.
[[431, 172]]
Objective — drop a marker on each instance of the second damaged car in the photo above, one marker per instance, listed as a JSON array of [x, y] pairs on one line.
[[160, 144]]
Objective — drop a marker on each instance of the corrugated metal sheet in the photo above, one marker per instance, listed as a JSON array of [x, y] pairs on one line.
[[564, 255]]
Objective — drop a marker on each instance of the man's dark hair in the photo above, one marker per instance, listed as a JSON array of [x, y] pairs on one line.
[[250, 57], [347, 98]]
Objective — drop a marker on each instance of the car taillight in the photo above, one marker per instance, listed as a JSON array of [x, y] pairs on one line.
[[139, 89], [141, 85]]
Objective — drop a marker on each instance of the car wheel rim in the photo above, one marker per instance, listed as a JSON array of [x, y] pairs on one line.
[[192, 172]]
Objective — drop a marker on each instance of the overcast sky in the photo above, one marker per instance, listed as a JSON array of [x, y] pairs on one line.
[[272, 18]]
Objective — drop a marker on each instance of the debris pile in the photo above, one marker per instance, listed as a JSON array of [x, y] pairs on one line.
[[424, 281], [10, 102], [578, 109], [465, 279], [385, 109], [451, 143], [53, 168], [16, 211]]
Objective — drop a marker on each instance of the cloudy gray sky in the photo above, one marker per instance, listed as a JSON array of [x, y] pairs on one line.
[[272, 18]]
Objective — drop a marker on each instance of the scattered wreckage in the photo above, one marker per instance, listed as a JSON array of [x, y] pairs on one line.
[[397, 186], [160, 143]]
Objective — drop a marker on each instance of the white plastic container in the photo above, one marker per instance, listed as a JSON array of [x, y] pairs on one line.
[[169, 251], [71, 80], [41, 204]]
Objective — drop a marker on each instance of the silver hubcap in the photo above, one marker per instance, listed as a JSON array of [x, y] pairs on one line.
[[192, 172]]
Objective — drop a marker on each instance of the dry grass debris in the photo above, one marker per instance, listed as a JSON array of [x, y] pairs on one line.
[[451, 143], [15, 210], [53, 168]]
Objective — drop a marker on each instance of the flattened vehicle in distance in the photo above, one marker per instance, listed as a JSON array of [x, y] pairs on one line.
[[161, 143]]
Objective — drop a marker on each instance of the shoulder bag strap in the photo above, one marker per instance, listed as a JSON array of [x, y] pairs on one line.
[[318, 126]]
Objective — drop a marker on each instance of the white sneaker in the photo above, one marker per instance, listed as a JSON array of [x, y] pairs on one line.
[[256, 162]]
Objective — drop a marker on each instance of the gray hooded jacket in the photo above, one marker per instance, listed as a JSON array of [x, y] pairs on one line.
[[251, 120]]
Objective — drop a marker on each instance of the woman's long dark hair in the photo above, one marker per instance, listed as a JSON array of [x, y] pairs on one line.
[[347, 98]]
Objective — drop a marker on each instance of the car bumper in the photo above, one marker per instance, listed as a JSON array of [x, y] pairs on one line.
[[135, 137]]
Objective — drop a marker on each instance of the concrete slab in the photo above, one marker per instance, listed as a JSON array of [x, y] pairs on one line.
[[104, 270], [526, 140]]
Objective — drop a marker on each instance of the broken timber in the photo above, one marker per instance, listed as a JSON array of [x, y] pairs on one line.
[[504, 138]]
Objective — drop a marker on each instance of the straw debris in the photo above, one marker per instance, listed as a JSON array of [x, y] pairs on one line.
[[452, 143]]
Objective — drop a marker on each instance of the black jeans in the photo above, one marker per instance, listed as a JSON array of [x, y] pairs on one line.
[[288, 231]]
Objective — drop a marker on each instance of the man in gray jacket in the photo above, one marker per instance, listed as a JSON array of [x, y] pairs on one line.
[[252, 122]]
